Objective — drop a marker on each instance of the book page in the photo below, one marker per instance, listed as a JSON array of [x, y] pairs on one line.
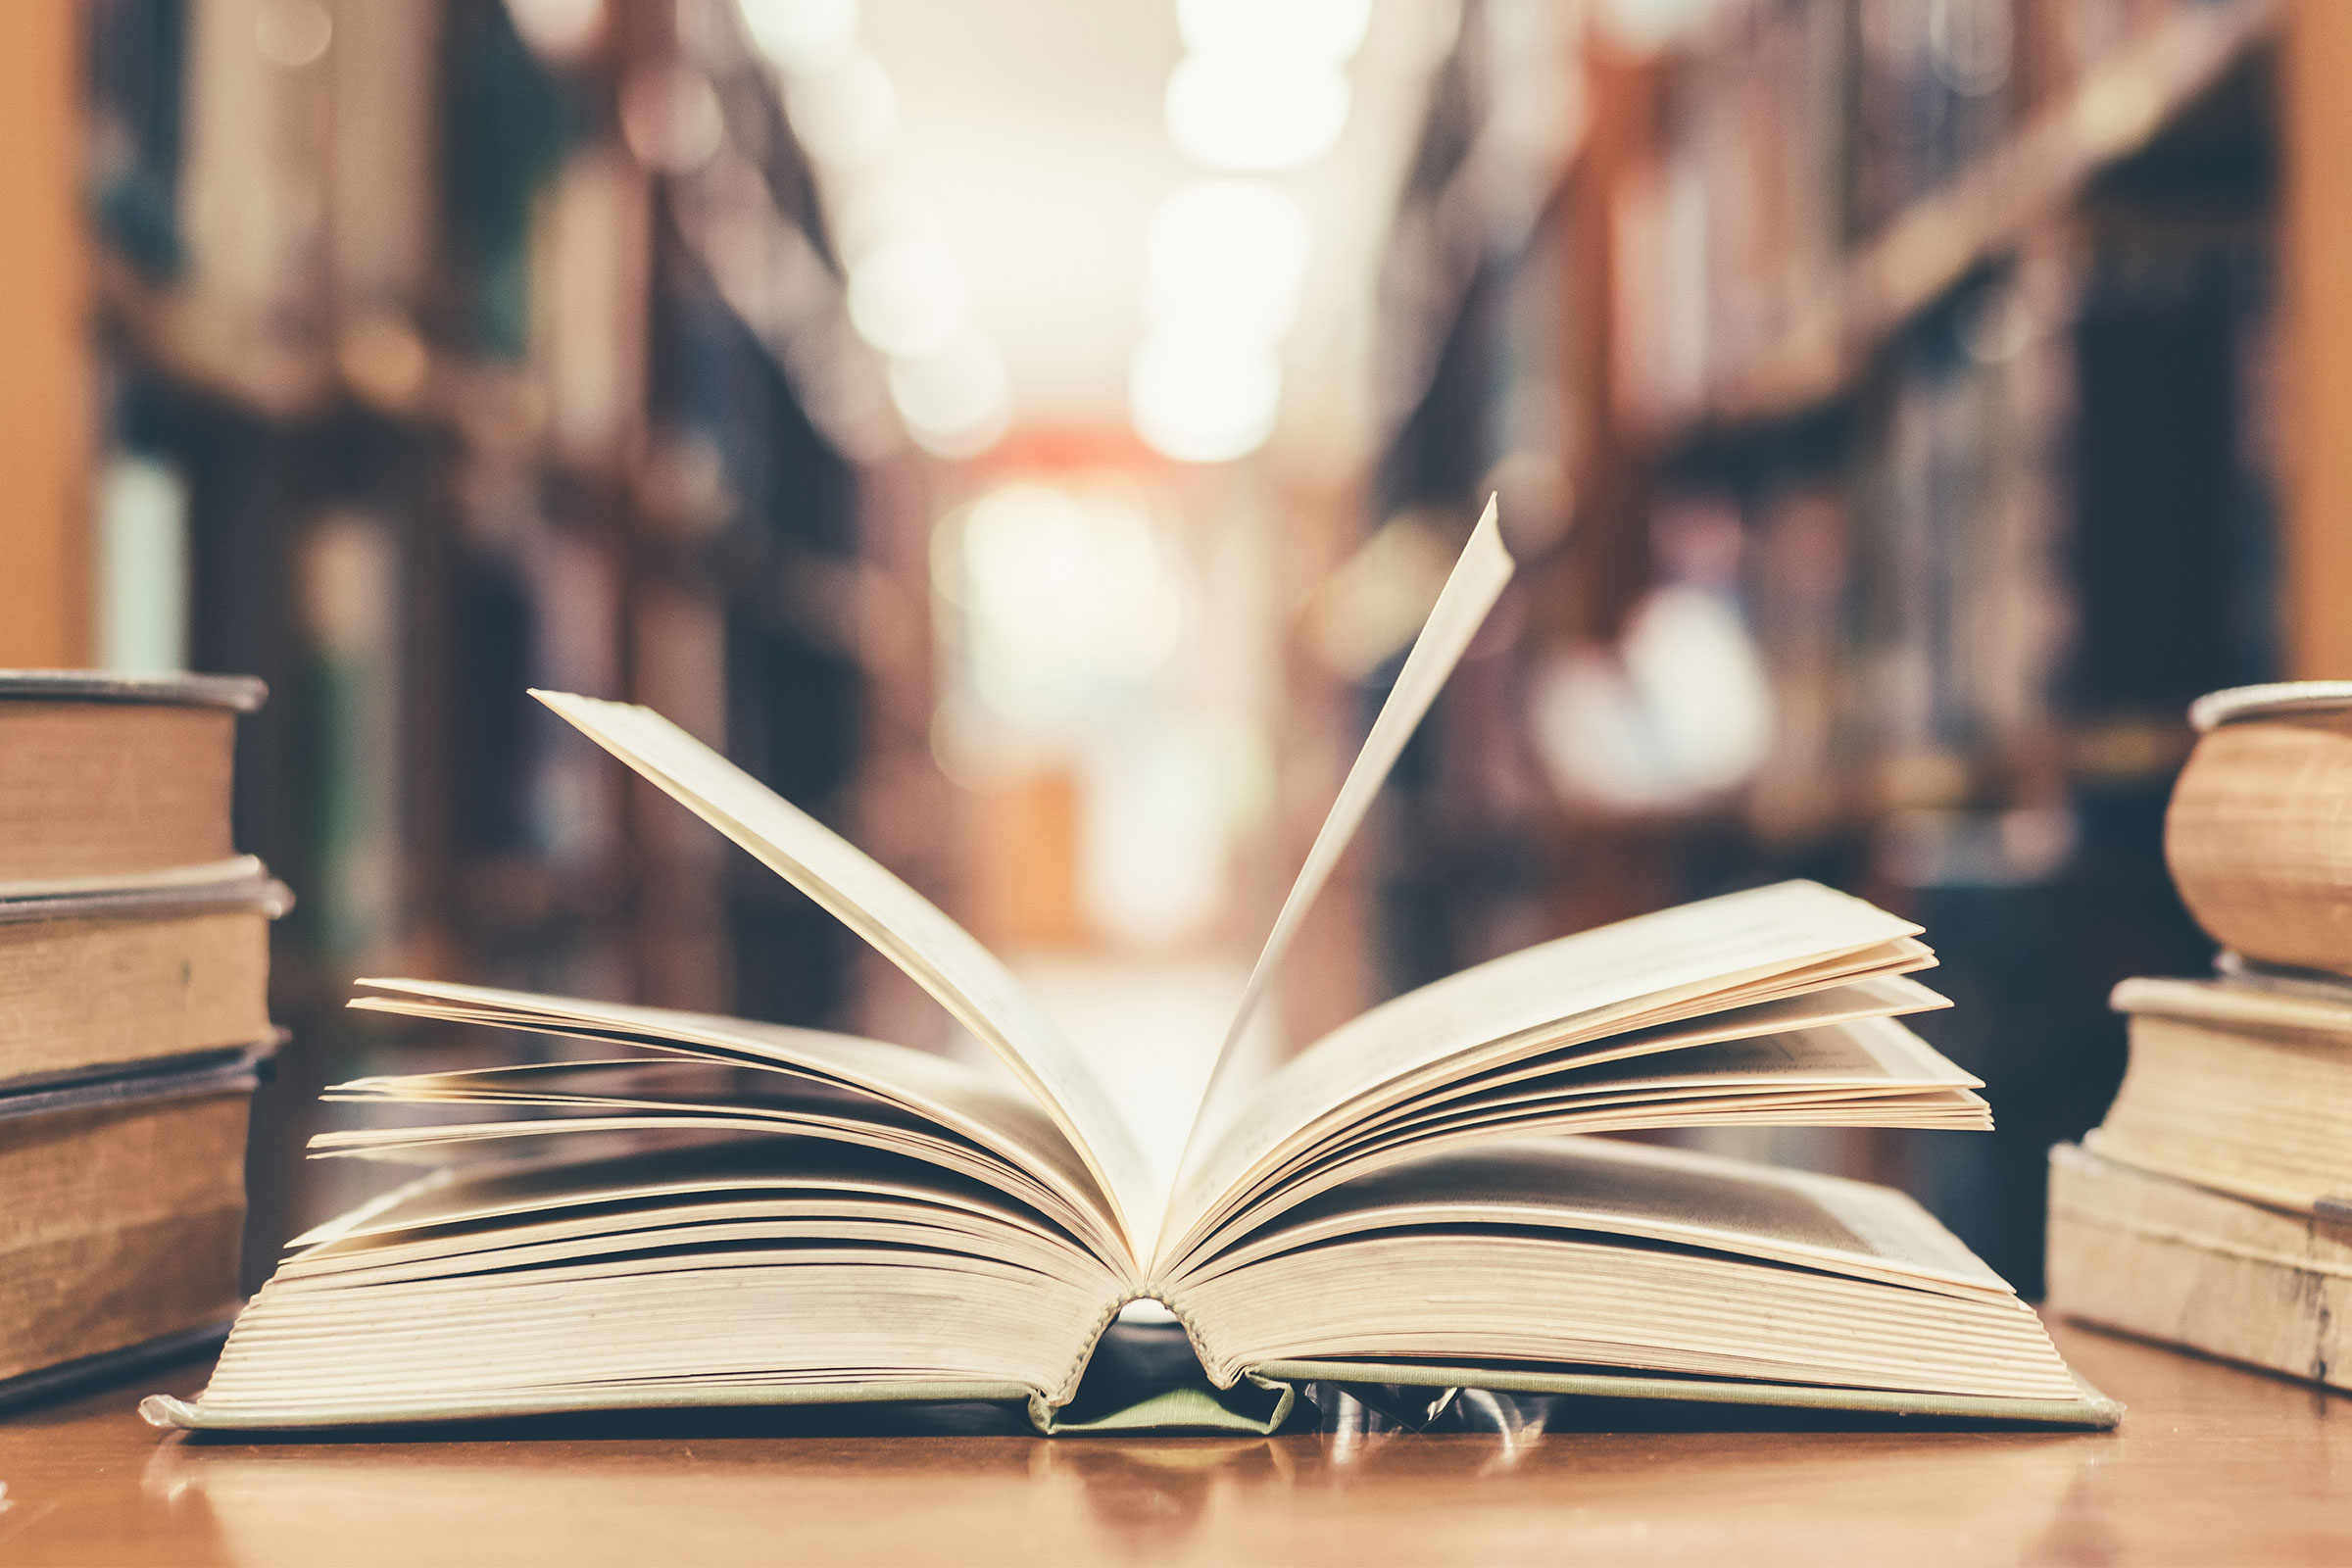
[[1657, 1194], [546, 1099], [1871, 1053], [1610, 973], [902, 925], [1477, 579], [960, 1098], [624, 1190], [1872, 1073], [1879, 996]]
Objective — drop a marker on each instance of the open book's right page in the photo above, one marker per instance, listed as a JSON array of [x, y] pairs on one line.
[[1581, 984]]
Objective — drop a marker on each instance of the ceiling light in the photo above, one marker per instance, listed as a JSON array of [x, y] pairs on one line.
[[844, 117], [1226, 253], [1203, 397], [1318, 31], [802, 37], [958, 399], [1253, 116], [906, 296]]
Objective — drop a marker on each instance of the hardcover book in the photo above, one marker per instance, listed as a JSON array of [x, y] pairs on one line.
[[115, 776], [134, 966], [125, 1207], [2256, 835], [720, 1212], [2171, 1260]]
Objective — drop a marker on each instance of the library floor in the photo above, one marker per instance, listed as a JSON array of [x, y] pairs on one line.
[[2212, 1465]]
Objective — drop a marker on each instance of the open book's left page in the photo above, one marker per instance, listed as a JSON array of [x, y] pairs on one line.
[[740, 1077], [902, 925]]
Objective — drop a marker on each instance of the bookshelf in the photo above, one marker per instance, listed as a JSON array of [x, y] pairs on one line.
[[2028, 180], [474, 402], [1949, 385]]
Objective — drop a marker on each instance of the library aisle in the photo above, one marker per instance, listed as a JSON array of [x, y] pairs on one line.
[[1027, 436]]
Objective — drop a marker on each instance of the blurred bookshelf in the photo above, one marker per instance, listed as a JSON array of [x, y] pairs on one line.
[[1890, 394], [1892, 403], [412, 336]]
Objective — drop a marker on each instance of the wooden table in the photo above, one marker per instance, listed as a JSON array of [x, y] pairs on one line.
[[2212, 1465]]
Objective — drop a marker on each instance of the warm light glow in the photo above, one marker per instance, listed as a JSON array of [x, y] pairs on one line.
[[802, 37], [1069, 600], [844, 117], [1312, 32], [1252, 115], [1679, 713], [1229, 255], [1203, 397], [907, 296], [558, 30], [1156, 832], [885, 208], [958, 399]]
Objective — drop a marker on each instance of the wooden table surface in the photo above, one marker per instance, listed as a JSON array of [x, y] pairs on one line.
[[2213, 1465]]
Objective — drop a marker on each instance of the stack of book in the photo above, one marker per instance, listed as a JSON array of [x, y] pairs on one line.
[[2213, 1207], [134, 967]]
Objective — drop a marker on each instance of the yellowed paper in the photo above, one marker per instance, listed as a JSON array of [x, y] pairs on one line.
[[996, 1117], [901, 925], [1600, 976], [1477, 579]]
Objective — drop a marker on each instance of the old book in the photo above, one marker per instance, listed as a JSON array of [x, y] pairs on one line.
[[125, 1203], [114, 776], [105, 976], [2238, 1084], [723, 1212], [2257, 837], [2173, 1262]]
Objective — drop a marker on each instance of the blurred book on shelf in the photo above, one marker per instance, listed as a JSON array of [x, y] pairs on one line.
[[134, 968], [2211, 1206]]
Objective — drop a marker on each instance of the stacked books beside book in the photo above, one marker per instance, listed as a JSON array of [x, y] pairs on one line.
[[723, 1212], [2213, 1207], [134, 966]]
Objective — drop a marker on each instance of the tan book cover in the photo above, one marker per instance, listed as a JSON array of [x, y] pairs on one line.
[[109, 775], [2256, 835], [99, 974], [125, 1207], [2169, 1260]]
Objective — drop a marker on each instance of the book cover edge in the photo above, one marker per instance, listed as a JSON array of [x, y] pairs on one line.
[[240, 694]]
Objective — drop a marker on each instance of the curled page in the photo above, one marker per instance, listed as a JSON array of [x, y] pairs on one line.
[[1476, 582], [902, 924]]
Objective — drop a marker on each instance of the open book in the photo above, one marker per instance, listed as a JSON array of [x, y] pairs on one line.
[[726, 1213]]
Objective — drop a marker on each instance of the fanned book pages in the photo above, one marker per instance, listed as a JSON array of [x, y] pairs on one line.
[[721, 1213]]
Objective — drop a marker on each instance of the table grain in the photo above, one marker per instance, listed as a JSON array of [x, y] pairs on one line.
[[2212, 1465]]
